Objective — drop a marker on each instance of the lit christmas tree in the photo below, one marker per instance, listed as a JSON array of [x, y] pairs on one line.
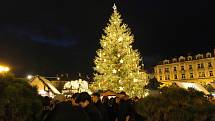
[[117, 64]]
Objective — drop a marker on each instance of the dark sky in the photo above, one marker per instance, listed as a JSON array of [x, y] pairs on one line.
[[61, 36]]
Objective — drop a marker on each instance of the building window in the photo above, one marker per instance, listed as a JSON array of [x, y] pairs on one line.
[[208, 55], [201, 74], [175, 69], [209, 64], [202, 65], [191, 75], [160, 77], [190, 67], [199, 65], [166, 69], [174, 60], [160, 71], [182, 68], [189, 58], [211, 73], [176, 77], [166, 62], [199, 56], [183, 76], [167, 77], [181, 59]]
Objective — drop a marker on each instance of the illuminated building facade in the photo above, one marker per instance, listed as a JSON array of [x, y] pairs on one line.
[[198, 69]]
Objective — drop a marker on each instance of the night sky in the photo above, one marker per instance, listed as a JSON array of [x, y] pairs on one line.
[[48, 37]]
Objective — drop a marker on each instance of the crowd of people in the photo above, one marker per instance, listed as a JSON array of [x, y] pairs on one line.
[[85, 107]]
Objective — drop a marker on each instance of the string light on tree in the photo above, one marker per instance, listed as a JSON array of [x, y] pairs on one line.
[[119, 65], [121, 88], [114, 71], [120, 39], [121, 61]]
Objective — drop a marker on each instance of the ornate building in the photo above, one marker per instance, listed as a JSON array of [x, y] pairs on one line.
[[199, 69]]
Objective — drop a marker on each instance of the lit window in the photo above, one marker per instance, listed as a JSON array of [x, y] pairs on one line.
[[199, 56], [181, 59], [202, 65], [166, 62], [176, 77], [189, 58], [174, 60], [201, 74], [183, 76], [209, 64], [190, 67], [199, 65], [191, 75], [211, 73], [182, 68], [160, 77], [160, 71], [167, 77], [175, 69], [166, 69], [208, 55]]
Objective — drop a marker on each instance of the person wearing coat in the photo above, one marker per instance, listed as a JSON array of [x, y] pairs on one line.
[[84, 100]]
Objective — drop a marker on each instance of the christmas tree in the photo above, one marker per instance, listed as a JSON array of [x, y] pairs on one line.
[[117, 64]]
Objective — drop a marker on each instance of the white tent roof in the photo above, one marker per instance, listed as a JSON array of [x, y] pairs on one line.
[[48, 83], [196, 86]]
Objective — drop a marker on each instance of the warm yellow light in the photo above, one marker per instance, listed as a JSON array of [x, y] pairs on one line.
[[4, 69], [29, 77]]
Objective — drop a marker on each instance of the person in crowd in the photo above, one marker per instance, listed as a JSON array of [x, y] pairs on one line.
[[84, 100], [136, 99], [124, 107], [112, 109], [46, 107], [73, 99], [97, 101], [64, 111], [105, 100]]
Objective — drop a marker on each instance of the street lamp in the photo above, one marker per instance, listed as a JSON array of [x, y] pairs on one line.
[[29, 77], [4, 69]]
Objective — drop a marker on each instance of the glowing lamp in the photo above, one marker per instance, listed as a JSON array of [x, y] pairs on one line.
[[4, 69], [29, 77]]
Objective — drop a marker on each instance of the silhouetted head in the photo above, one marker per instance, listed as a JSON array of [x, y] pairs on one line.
[[84, 99], [73, 99], [95, 97]]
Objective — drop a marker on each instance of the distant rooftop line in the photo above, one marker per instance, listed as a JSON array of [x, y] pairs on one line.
[[188, 58]]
